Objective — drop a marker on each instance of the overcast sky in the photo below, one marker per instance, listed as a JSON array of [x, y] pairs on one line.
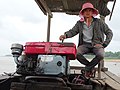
[[22, 21]]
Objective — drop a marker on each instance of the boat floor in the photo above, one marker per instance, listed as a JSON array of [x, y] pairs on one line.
[[107, 78]]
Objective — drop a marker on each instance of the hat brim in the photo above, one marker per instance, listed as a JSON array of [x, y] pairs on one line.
[[95, 11]]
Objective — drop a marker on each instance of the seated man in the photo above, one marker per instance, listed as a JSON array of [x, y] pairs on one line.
[[91, 32]]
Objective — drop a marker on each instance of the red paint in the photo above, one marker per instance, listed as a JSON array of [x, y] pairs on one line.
[[51, 48]]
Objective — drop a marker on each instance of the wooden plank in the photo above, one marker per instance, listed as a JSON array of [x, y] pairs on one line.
[[79, 68], [101, 81], [65, 4], [113, 76], [4, 77], [110, 81], [95, 81], [70, 6], [41, 7], [44, 6], [106, 78]]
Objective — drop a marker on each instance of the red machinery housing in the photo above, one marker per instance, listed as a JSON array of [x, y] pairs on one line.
[[51, 48]]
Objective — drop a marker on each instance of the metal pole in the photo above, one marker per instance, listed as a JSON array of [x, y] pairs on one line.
[[112, 10], [48, 28]]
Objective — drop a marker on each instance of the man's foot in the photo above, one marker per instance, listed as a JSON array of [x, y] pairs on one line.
[[88, 73]]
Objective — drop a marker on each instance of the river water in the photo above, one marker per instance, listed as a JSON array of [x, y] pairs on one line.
[[8, 65]]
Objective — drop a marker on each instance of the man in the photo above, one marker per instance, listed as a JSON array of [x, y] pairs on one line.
[[91, 36]]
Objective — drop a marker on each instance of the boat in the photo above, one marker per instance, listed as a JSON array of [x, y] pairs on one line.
[[46, 65]]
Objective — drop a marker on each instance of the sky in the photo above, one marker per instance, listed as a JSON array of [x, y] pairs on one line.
[[22, 21]]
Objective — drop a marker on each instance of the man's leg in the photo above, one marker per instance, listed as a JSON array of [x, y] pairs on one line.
[[99, 55], [82, 49]]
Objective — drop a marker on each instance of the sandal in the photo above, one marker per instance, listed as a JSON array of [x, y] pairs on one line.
[[88, 73]]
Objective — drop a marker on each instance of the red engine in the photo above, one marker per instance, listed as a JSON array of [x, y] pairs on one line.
[[51, 48], [44, 57]]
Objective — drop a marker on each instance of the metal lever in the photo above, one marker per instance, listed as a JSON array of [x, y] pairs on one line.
[[62, 41]]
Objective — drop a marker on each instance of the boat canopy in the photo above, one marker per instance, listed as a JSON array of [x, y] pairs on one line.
[[71, 7]]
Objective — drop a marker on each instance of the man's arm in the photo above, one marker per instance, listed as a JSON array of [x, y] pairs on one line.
[[109, 34], [72, 32]]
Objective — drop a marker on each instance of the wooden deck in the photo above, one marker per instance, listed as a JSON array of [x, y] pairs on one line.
[[108, 80]]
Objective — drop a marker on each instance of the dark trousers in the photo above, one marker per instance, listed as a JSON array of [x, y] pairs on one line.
[[86, 49]]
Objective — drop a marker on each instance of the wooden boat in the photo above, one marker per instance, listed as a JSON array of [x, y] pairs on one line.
[[45, 65]]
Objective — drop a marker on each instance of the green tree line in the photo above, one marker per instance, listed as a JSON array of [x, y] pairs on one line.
[[108, 55], [112, 55]]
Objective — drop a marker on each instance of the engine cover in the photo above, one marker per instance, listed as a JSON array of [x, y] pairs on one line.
[[53, 65], [51, 48]]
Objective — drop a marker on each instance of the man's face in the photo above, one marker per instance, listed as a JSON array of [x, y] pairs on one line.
[[88, 12]]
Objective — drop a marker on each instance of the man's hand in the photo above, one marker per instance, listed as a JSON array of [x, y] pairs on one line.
[[98, 46], [62, 37]]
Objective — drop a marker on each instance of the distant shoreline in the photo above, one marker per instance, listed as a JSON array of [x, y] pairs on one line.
[[110, 60], [115, 60]]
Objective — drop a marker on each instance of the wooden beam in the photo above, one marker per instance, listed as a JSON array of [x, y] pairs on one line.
[[111, 0], [44, 6], [72, 13], [111, 80], [48, 28], [41, 7], [65, 4]]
